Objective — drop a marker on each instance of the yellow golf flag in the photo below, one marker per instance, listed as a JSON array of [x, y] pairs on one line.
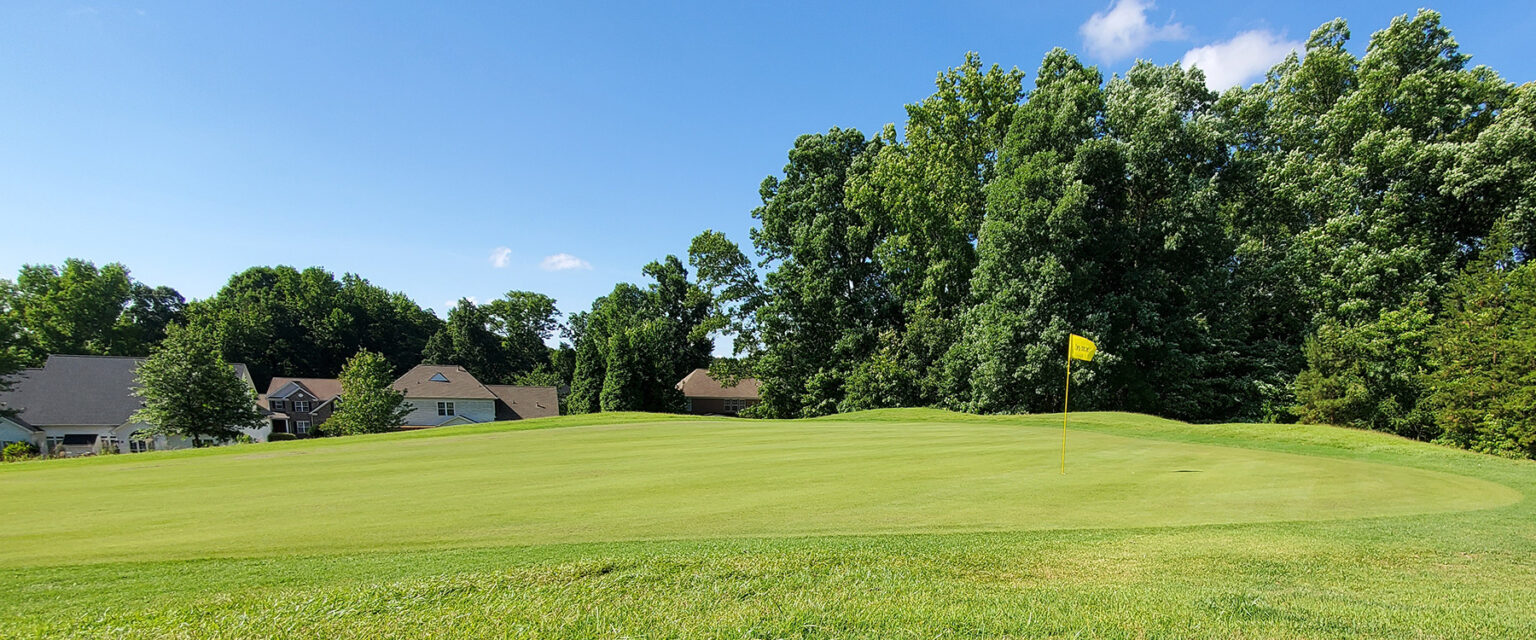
[[1081, 348]]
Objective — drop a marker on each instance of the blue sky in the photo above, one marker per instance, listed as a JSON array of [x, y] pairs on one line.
[[450, 149]]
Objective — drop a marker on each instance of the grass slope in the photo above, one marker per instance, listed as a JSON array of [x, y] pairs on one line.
[[653, 526]]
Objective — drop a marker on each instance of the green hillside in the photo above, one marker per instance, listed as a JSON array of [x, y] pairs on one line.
[[864, 525]]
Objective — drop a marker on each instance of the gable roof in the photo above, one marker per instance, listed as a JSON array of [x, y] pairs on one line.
[[417, 383], [81, 390], [699, 384], [521, 403], [321, 388]]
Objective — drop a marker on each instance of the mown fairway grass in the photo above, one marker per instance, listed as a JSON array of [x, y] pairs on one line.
[[909, 523]]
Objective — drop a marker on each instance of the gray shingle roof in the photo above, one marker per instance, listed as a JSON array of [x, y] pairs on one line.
[[80, 390]]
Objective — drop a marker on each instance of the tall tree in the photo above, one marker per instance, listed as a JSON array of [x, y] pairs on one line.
[[80, 309], [635, 344], [825, 297], [369, 402], [1376, 158], [500, 342], [931, 189], [1101, 221], [727, 276], [282, 321], [189, 390], [525, 321], [12, 357], [468, 341]]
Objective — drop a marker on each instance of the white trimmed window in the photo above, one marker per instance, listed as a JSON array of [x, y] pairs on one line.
[[140, 446], [445, 408], [278, 405], [301, 426], [301, 406]]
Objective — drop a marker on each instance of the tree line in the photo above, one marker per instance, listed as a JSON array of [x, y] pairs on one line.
[[1344, 242], [279, 321]]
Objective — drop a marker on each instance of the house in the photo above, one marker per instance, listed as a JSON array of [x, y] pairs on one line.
[[442, 395], [300, 405], [706, 395], [75, 405]]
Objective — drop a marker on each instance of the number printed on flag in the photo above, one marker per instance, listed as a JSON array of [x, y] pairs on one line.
[[1081, 348]]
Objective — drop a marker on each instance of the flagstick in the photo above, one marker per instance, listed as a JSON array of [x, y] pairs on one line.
[[1065, 402]]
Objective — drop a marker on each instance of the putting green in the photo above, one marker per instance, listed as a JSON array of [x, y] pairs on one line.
[[680, 479]]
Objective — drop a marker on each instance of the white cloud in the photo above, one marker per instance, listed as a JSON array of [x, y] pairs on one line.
[[1123, 30], [1245, 57], [564, 262], [449, 305], [500, 257]]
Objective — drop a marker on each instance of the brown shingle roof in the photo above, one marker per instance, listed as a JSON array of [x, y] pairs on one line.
[[418, 383], [322, 388], [522, 403], [699, 384]]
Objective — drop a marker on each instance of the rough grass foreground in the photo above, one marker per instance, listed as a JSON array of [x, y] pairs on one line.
[[877, 525]]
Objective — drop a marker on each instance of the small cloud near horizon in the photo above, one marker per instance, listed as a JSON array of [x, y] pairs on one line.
[[564, 262], [1123, 30], [501, 257], [1245, 57]]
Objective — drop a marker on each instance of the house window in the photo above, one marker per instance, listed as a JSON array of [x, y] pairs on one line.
[[140, 446], [301, 406], [301, 426], [279, 405], [445, 408], [734, 405], [437, 377]]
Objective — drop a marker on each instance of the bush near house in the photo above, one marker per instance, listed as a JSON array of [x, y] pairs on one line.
[[17, 451]]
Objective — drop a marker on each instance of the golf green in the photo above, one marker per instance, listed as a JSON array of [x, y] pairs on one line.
[[667, 479]]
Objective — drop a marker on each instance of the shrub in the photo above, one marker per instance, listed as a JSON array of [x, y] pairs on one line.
[[279, 437], [18, 451]]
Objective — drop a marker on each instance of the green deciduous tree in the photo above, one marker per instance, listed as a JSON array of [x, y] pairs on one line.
[[498, 342], [282, 321], [12, 357], [636, 344], [189, 390], [81, 309], [930, 189], [467, 340], [825, 296], [369, 402]]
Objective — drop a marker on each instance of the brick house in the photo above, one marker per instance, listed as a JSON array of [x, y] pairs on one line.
[[706, 395]]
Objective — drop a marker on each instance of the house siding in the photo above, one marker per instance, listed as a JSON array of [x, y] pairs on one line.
[[12, 432], [424, 410]]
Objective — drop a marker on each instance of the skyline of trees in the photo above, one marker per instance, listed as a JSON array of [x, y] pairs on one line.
[[1312, 247]]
